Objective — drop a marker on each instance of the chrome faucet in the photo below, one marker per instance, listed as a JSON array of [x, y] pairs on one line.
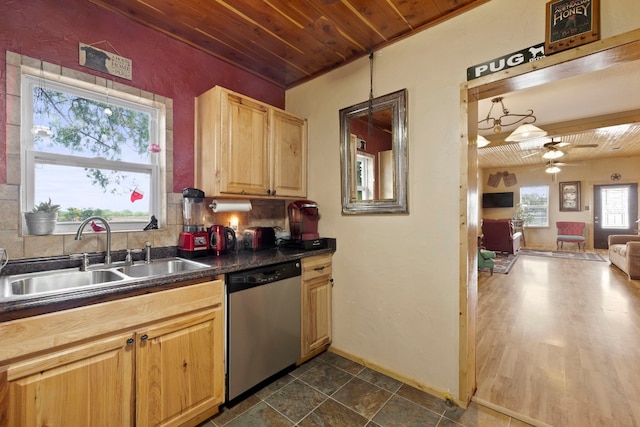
[[107, 258]]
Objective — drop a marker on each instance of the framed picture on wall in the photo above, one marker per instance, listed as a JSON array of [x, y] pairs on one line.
[[571, 23], [570, 196]]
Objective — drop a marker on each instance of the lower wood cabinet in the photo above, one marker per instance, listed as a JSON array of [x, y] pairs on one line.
[[316, 304], [178, 369], [162, 365], [88, 385]]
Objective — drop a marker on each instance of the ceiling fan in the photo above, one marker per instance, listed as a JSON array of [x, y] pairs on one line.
[[552, 150]]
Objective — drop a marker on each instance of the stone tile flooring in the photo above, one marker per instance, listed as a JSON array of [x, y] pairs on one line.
[[331, 391]]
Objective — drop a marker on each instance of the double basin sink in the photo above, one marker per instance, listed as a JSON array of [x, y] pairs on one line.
[[52, 282]]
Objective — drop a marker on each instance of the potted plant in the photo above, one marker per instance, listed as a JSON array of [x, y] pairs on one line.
[[42, 219], [521, 214]]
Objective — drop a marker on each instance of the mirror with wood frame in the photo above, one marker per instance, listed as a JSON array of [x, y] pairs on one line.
[[373, 155]]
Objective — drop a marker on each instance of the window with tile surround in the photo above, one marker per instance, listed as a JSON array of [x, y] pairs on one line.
[[92, 149]]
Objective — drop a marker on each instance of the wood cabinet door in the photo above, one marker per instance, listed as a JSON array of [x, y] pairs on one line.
[[88, 385], [289, 155], [316, 303], [316, 318], [180, 369], [244, 153]]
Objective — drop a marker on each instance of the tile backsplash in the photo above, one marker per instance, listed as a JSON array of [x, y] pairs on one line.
[[270, 213]]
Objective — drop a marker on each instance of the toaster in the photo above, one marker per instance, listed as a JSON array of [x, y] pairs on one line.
[[256, 238]]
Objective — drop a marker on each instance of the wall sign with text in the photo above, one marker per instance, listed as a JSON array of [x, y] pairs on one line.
[[101, 60], [571, 23]]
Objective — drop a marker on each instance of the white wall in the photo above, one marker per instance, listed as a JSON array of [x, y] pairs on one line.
[[396, 299]]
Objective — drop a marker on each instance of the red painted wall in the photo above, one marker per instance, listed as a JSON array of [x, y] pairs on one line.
[[51, 30]]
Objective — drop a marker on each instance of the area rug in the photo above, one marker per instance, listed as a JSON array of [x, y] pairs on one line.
[[504, 262], [587, 256]]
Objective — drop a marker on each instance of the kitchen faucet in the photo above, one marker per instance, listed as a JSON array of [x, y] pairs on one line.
[[107, 258]]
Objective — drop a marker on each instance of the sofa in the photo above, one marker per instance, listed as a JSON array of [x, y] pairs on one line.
[[624, 253], [498, 236]]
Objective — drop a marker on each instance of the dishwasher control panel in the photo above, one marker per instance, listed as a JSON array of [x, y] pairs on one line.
[[263, 275]]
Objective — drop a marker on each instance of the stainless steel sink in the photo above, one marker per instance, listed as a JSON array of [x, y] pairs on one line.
[[51, 282], [160, 267], [38, 283]]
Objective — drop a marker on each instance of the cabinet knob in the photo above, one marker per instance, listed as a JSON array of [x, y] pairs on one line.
[[331, 281], [319, 268], [144, 337], [273, 192], [130, 341]]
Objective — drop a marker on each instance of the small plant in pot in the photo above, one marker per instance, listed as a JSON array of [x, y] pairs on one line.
[[42, 218]]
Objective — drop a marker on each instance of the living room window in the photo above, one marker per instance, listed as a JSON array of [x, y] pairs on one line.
[[91, 150], [535, 201]]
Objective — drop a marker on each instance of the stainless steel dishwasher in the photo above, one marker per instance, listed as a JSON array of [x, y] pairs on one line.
[[263, 323]]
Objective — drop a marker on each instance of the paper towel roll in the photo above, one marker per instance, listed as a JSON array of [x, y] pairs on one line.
[[231, 205]]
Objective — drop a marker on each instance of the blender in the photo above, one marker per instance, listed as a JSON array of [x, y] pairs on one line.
[[194, 239]]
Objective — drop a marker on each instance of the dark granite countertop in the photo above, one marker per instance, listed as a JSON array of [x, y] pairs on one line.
[[243, 260]]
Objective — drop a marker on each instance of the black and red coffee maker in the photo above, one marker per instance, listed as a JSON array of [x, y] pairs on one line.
[[194, 239], [303, 220]]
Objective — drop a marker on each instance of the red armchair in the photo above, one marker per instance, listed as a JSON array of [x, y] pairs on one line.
[[498, 235]]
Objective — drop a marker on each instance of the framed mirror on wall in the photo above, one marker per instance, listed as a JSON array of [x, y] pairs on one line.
[[374, 155]]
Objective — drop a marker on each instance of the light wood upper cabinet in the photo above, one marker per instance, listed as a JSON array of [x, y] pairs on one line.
[[246, 147], [80, 367], [316, 304], [289, 145]]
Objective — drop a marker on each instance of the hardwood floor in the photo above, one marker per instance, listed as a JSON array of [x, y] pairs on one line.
[[559, 341]]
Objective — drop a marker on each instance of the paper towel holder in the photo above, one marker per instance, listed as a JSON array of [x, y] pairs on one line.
[[230, 205]]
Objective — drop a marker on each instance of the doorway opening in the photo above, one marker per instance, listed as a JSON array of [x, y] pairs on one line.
[[596, 56]]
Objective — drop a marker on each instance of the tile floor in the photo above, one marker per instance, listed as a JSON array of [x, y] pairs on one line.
[[331, 391]]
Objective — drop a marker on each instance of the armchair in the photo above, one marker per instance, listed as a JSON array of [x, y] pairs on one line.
[[624, 253], [498, 235], [486, 259]]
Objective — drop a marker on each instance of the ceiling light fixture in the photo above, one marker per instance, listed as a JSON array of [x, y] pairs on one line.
[[525, 132], [481, 141], [522, 133], [552, 168], [553, 153]]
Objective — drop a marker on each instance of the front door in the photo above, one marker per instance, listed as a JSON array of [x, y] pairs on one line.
[[615, 211]]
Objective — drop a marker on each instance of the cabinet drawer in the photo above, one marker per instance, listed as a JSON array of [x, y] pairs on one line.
[[316, 266]]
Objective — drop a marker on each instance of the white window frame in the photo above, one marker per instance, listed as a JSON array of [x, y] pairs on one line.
[[368, 161], [30, 157], [545, 207]]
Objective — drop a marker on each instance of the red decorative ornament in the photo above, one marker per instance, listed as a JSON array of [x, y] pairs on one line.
[[136, 194], [97, 228]]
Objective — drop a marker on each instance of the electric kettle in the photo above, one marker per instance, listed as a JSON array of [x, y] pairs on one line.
[[221, 239]]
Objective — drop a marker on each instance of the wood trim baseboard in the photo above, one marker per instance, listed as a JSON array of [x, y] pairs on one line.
[[395, 375], [509, 412]]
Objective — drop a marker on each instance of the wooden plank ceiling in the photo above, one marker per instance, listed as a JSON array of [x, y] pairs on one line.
[[288, 42]]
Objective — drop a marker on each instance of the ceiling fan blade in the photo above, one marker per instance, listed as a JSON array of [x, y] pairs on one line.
[[529, 155], [584, 146], [569, 164]]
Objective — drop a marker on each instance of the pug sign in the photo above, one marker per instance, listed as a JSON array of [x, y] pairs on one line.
[[106, 62]]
